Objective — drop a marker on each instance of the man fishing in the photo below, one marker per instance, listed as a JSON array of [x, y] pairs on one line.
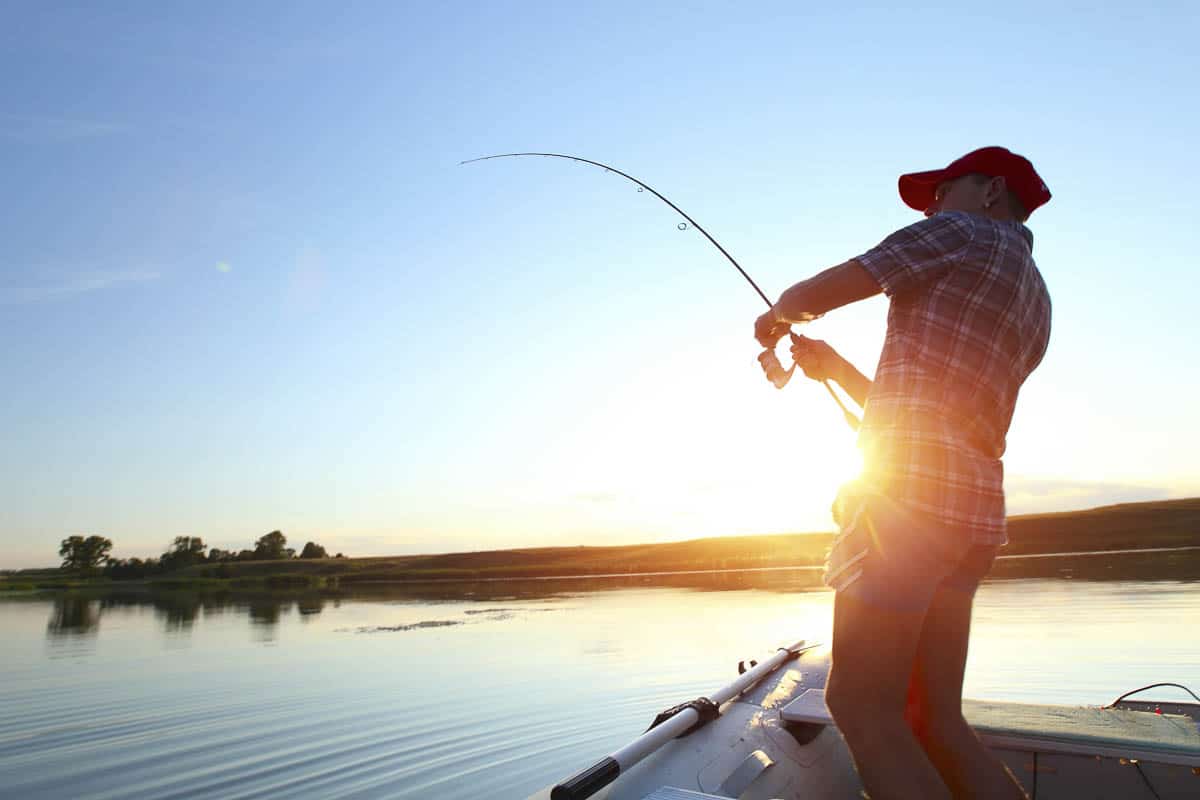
[[968, 321]]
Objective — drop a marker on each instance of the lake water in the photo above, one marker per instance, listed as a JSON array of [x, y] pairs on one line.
[[475, 691]]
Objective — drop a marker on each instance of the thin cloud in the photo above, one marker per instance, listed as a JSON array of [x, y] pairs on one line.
[[75, 285], [1027, 495], [598, 498], [34, 129]]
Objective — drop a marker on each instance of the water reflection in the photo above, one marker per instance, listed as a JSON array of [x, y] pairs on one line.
[[79, 614], [310, 606], [74, 616], [177, 612], [783, 579], [1182, 564], [267, 610]]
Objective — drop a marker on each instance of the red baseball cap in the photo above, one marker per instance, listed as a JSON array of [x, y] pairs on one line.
[[917, 188]]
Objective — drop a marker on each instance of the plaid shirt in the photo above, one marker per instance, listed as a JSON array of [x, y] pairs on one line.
[[969, 320]]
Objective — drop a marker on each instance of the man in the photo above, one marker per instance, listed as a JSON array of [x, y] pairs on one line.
[[969, 320]]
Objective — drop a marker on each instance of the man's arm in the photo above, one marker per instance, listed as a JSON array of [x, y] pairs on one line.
[[809, 299], [854, 382], [821, 362], [835, 287]]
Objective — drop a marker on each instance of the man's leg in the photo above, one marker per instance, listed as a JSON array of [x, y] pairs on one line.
[[874, 648], [965, 764]]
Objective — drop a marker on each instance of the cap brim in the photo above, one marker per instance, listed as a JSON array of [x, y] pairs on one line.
[[917, 189]]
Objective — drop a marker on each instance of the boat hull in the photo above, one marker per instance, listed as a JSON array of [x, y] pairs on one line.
[[762, 748]]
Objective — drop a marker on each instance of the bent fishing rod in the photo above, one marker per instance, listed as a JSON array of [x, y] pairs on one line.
[[767, 358]]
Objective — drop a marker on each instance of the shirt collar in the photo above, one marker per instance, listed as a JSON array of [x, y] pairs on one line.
[[1026, 234]]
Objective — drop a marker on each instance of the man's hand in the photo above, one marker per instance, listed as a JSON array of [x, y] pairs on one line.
[[769, 330], [818, 360]]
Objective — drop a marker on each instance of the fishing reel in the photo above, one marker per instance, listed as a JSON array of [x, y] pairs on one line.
[[773, 369], [779, 376]]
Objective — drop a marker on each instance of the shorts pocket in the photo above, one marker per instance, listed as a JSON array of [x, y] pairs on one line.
[[878, 534]]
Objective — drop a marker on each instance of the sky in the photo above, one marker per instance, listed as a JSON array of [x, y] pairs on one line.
[[245, 284]]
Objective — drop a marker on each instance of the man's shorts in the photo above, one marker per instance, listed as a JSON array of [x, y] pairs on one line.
[[894, 558]]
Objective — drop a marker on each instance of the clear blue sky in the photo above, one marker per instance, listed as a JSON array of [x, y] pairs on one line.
[[246, 285]]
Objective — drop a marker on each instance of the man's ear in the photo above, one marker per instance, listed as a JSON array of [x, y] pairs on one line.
[[996, 190]]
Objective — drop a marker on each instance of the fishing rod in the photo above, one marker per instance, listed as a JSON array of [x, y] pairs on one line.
[[767, 358]]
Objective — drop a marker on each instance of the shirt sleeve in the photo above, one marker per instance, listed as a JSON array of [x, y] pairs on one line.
[[919, 254]]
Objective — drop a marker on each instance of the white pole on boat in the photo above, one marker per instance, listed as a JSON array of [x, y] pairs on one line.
[[605, 771]]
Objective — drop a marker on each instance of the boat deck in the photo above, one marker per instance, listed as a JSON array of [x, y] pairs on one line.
[[1105, 732], [1077, 730]]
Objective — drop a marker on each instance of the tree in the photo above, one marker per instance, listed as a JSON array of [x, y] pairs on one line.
[[217, 555], [273, 546], [84, 554], [313, 550], [122, 569], [185, 551]]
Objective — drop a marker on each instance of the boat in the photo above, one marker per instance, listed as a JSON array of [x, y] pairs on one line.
[[768, 735]]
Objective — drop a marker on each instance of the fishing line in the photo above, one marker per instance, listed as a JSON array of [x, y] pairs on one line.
[[767, 359], [1132, 692]]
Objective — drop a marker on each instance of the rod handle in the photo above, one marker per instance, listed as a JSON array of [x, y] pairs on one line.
[[588, 782]]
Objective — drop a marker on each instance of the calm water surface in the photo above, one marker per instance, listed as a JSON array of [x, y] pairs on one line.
[[474, 691]]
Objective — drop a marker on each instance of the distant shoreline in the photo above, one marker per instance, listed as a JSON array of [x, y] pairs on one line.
[[1160, 538], [813, 567]]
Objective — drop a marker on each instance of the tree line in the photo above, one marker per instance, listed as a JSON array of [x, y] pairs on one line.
[[90, 555]]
